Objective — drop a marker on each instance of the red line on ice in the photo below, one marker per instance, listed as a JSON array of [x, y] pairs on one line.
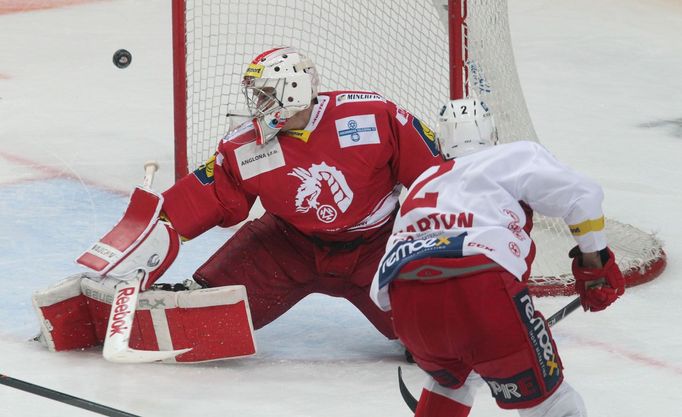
[[19, 6], [48, 172], [633, 356]]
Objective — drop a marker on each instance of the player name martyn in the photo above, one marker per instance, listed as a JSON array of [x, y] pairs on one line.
[[441, 221]]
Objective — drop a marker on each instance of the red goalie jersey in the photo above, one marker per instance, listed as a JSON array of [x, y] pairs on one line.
[[330, 193], [337, 179]]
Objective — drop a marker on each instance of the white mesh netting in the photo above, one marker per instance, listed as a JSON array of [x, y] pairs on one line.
[[396, 48]]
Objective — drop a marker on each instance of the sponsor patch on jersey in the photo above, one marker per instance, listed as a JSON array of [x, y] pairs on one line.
[[358, 98], [357, 130], [253, 159], [428, 135], [401, 115], [205, 172], [517, 388], [410, 250], [303, 135], [539, 336]]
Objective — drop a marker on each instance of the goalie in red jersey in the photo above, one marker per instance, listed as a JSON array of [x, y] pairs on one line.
[[328, 168]]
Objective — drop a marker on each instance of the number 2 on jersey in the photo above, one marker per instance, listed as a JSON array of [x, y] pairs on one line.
[[430, 199]]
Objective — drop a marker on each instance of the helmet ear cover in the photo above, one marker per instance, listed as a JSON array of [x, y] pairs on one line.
[[464, 126]]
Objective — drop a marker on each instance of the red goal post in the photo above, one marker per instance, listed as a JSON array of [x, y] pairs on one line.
[[417, 53]]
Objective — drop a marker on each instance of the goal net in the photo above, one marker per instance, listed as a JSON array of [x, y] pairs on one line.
[[400, 49]]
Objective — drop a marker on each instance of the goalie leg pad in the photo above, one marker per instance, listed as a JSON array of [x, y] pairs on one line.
[[65, 321], [214, 322]]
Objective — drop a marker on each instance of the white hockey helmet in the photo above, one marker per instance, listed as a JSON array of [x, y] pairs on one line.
[[277, 84], [464, 126]]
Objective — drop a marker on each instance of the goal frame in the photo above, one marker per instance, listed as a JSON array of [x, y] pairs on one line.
[[179, 29], [646, 261]]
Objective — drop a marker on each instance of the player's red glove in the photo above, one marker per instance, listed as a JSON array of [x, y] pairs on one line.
[[598, 287]]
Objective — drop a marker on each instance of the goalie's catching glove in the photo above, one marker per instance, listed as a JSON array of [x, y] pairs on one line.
[[140, 241], [598, 287]]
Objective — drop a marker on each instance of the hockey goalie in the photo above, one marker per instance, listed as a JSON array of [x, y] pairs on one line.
[[118, 305]]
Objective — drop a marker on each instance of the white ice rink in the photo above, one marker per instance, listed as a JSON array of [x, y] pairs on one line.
[[603, 82]]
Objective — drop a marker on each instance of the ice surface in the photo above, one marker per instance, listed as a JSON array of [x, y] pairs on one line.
[[602, 81]]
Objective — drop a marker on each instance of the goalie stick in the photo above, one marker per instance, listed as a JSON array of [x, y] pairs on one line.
[[63, 398], [412, 402], [120, 324]]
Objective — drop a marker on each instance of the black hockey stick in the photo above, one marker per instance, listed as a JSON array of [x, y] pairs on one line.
[[63, 398], [407, 395], [551, 321], [563, 312]]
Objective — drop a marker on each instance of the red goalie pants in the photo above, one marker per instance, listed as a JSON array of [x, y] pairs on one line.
[[279, 266], [484, 322]]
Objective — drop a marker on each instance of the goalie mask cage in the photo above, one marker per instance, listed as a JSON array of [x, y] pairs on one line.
[[416, 53]]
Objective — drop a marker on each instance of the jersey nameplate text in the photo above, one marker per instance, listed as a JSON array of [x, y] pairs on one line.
[[253, 159]]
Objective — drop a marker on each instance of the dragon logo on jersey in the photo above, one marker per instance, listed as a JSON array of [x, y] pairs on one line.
[[313, 180], [428, 135]]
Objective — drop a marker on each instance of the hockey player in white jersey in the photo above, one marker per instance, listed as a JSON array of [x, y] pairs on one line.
[[455, 269]]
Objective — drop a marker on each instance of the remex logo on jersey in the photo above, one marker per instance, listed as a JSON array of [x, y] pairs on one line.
[[410, 250], [540, 339], [317, 181], [428, 135], [357, 130], [358, 98]]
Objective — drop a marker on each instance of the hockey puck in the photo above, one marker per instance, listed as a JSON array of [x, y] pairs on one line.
[[122, 58]]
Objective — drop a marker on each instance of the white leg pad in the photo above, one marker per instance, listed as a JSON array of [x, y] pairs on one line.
[[214, 322]]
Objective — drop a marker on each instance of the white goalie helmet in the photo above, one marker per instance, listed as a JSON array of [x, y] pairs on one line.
[[464, 126], [278, 84]]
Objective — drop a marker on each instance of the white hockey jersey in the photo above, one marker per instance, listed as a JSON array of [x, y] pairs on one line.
[[475, 205]]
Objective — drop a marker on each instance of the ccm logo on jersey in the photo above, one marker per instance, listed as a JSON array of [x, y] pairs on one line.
[[540, 338], [358, 97], [357, 130]]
